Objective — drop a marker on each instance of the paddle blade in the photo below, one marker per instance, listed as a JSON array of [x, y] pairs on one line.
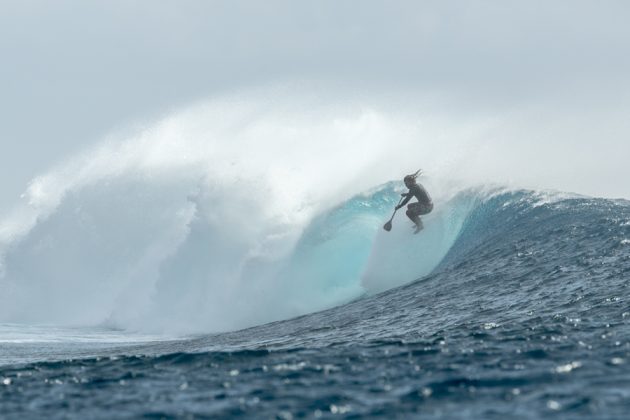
[[388, 226]]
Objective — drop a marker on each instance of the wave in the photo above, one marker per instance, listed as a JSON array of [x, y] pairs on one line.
[[150, 257], [529, 294], [191, 224], [214, 220]]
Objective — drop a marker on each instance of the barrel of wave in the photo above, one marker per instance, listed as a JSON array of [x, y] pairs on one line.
[[399, 257], [345, 252]]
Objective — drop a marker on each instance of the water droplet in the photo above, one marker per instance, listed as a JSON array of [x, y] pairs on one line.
[[553, 405], [285, 415], [339, 409], [568, 367]]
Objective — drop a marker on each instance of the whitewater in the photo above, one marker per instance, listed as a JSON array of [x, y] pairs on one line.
[[229, 259], [222, 216]]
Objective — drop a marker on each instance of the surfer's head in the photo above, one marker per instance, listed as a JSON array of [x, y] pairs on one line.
[[410, 180]]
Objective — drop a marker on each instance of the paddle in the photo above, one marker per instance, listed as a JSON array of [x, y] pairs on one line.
[[388, 226]]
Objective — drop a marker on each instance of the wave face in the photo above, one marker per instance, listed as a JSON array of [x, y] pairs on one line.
[[521, 306]]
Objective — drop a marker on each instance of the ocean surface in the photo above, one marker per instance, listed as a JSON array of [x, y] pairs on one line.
[[510, 304]]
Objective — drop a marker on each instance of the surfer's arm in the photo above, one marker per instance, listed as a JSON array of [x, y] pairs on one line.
[[406, 200]]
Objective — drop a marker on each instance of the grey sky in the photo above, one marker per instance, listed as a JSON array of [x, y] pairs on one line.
[[73, 70]]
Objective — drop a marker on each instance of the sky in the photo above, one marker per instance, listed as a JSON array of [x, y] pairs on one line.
[[74, 71]]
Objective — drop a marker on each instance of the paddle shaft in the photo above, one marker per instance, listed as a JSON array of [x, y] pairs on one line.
[[396, 209]]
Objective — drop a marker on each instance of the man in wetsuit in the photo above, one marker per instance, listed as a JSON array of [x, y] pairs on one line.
[[424, 204]]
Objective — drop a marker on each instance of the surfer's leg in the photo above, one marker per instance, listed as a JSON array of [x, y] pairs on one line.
[[424, 209], [415, 218], [419, 225]]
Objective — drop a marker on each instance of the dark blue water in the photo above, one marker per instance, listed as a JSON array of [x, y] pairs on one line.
[[527, 316]]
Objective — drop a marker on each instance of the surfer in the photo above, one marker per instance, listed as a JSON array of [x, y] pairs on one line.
[[424, 204]]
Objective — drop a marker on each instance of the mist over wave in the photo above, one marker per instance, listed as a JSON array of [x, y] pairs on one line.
[[231, 214]]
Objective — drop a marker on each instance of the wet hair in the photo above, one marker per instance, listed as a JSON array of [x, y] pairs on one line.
[[412, 178]]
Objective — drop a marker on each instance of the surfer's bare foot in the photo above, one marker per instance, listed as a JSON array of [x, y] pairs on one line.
[[418, 229]]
